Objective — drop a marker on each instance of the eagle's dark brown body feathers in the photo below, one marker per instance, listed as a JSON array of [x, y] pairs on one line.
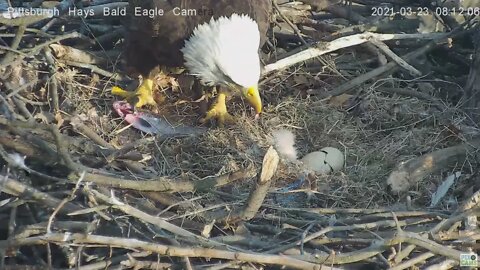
[[158, 40], [219, 45]]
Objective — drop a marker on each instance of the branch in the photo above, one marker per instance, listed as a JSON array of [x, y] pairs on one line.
[[416, 169], [163, 184], [255, 201], [166, 250], [15, 188], [344, 42]]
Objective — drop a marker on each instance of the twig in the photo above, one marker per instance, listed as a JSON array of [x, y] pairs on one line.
[[444, 265], [41, 228], [412, 262], [21, 106], [430, 245], [35, 50], [15, 126], [5, 48], [377, 212], [110, 36], [15, 43], [404, 253], [157, 221], [31, 102], [295, 30], [11, 228], [63, 202], [129, 147], [222, 266], [95, 69], [363, 226], [390, 67], [62, 149], [304, 234], [186, 259], [379, 245], [136, 264], [83, 129], [402, 63], [471, 202], [53, 85], [456, 217], [21, 88], [106, 263]]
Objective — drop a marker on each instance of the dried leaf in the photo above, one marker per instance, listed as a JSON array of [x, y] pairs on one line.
[[340, 101], [59, 119], [174, 83]]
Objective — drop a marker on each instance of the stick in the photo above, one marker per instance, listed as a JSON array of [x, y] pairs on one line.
[[166, 250], [255, 201], [157, 221], [53, 82], [163, 184], [15, 188], [95, 69], [378, 246], [363, 226], [295, 29], [9, 56], [340, 43], [402, 63], [62, 149], [415, 170], [40, 47], [411, 263], [390, 67]]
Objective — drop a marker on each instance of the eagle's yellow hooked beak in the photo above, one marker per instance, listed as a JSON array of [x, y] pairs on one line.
[[253, 97]]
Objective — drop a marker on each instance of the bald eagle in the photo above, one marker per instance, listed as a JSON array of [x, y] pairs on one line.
[[217, 41]]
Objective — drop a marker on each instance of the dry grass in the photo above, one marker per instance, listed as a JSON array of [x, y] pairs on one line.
[[376, 134]]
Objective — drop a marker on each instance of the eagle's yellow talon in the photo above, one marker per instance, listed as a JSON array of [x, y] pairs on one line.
[[143, 94], [219, 112]]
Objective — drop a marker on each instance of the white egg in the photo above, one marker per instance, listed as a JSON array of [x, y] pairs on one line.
[[327, 160]]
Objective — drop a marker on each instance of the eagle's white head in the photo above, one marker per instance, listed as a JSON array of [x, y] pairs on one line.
[[225, 52]]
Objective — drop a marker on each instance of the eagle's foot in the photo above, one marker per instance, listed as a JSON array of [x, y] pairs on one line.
[[219, 112], [141, 97]]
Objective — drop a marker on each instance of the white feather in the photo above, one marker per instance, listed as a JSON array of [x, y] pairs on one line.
[[226, 46], [442, 190], [285, 144]]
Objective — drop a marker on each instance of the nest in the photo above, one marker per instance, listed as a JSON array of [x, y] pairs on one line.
[[82, 189]]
